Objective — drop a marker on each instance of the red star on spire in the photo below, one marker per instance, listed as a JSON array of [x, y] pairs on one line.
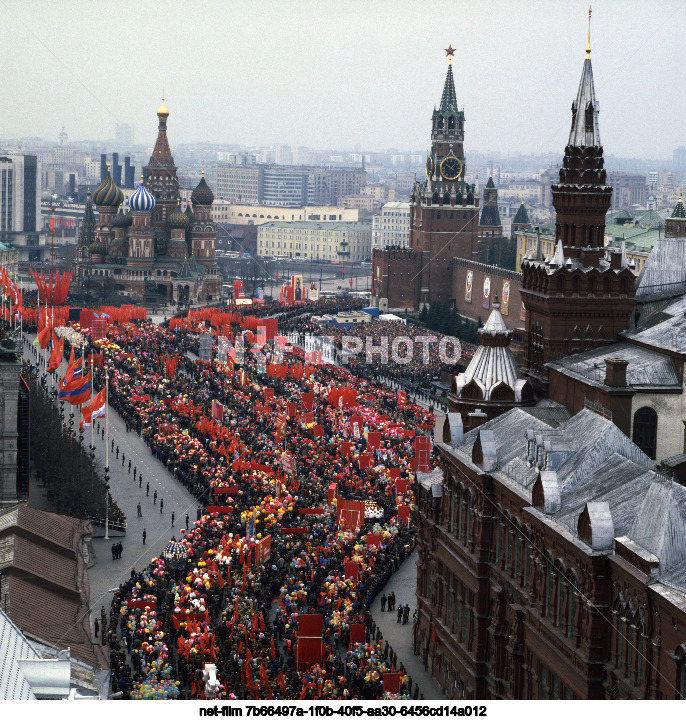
[[450, 51]]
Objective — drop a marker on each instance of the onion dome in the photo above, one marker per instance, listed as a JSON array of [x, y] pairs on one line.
[[189, 213], [107, 193], [202, 195], [98, 248], [163, 110], [142, 199], [122, 220], [178, 219]]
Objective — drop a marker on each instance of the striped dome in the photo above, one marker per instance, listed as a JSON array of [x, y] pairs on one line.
[[98, 248], [107, 193], [142, 199]]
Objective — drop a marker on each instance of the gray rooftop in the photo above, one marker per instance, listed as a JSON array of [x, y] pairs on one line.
[[646, 368], [14, 645], [664, 273], [664, 328]]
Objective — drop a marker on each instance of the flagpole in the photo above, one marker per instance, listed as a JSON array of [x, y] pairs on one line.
[[107, 451]]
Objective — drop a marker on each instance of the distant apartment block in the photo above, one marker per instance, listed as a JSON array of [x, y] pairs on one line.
[[235, 214], [315, 240], [392, 226]]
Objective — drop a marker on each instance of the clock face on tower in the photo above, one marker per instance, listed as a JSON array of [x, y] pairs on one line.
[[429, 167], [451, 167]]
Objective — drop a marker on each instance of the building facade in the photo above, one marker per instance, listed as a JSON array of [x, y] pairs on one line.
[[20, 194], [315, 240], [236, 214], [391, 226], [551, 560]]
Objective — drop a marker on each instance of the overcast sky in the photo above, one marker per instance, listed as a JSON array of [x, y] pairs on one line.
[[345, 73]]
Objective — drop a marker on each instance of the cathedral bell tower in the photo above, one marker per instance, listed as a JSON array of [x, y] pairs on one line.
[[579, 299]]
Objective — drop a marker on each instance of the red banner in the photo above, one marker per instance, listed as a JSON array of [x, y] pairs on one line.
[[404, 513], [351, 570], [221, 490], [422, 452], [310, 511], [150, 603], [293, 531], [332, 492], [365, 460], [307, 401], [318, 431], [219, 509], [391, 683], [373, 539], [357, 633], [291, 409], [373, 440], [401, 485], [268, 394]]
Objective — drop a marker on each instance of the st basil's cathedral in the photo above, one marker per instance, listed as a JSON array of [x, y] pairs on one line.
[[157, 250]]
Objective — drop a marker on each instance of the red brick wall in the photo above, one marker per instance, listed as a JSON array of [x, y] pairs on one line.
[[475, 309]]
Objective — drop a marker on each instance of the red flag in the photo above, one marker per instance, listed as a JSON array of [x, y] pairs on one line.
[[281, 680], [273, 648]]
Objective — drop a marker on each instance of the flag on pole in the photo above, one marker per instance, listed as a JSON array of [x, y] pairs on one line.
[[76, 392], [95, 409]]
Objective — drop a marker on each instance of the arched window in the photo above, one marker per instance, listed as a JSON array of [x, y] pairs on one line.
[[576, 285], [517, 551], [591, 286], [573, 591], [498, 535], [470, 517], [680, 654], [645, 431], [607, 286], [548, 609], [527, 556]]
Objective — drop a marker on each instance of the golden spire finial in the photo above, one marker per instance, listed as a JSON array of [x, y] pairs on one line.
[[588, 45], [163, 108], [108, 167], [203, 168]]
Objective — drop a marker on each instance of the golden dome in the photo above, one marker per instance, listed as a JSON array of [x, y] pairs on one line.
[[163, 109]]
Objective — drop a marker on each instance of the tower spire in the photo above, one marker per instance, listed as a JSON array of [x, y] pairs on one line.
[[449, 99], [585, 131]]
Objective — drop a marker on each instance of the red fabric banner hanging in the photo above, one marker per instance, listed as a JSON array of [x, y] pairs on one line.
[[307, 401], [351, 570], [391, 683], [373, 440], [356, 633], [373, 539]]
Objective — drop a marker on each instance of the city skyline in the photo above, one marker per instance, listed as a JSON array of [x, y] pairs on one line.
[[319, 75]]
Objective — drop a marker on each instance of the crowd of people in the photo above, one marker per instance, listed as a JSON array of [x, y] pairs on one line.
[[294, 445]]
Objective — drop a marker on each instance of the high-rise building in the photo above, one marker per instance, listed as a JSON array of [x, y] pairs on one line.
[[20, 206], [124, 135]]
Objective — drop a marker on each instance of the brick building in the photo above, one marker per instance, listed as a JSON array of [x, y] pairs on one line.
[[552, 563]]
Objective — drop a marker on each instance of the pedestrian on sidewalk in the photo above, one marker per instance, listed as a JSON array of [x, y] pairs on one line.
[[173, 516], [130, 467], [186, 521], [147, 487], [145, 535], [103, 434], [161, 504], [406, 614], [117, 452], [113, 445], [154, 498], [114, 551], [135, 470], [383, 603], [140, 513], [123, 459], [400, 613]]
